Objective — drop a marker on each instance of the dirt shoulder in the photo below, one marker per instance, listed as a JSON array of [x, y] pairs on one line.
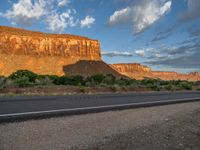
[[155, 128], [72, 90]]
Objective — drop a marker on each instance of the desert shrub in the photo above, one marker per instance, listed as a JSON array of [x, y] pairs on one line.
[[197, 83], [71, 80], [25, 74], [169, 87], [43, 81], [155, 87], [185, 86], [113, 88], [97, 79], [23, 82], [82, 89], [163, 83], [63, 80], [124, 82], [109, 79], [53, 78], [150, 82], [77, 80], [176, 82], [2, 82], [198, 88]]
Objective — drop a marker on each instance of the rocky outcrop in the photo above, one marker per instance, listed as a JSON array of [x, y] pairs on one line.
[[134, 70], [138, 71], [43, 53], [131, 67], [89, 68]]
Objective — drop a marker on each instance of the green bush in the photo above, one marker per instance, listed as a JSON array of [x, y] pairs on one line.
[[43, 81], [29, 75], [82, 89], [113, 88], [185, 86], [169, 87], [124, 82], [23, 82], [109, 79], [2, 82], [98, 78], [198, 88], [71, 80], [155, 87]]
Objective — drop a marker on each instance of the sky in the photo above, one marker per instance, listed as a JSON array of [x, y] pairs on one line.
[[162, 34]]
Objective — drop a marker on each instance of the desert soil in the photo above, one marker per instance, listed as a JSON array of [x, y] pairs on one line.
[[171, 127]]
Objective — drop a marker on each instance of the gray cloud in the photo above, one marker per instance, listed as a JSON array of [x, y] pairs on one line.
[[194, 32], [163, 34], [184, 56], [193, 11], [115, 53]]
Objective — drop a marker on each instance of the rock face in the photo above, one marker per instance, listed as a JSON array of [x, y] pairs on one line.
[[131, 67], [43, 53], [137, 71], [134, 70]]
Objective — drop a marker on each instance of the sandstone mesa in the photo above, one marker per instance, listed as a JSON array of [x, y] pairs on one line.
[[64, 54], [43, 53]]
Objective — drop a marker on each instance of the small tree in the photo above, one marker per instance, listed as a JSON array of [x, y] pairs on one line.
[[109, 79], [29, 75], [23, 82], [98, 78]]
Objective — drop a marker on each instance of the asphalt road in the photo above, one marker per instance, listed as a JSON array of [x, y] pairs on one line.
[[26, 106]]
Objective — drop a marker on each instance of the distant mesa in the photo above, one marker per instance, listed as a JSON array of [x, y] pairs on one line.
[[138, 71], [64, 54]]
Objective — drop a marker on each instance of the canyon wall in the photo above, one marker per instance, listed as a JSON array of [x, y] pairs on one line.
[[138, 71], [43, 53]]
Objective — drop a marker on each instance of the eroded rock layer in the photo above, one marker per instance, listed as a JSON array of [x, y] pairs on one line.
[[43, 53], [138, 71]]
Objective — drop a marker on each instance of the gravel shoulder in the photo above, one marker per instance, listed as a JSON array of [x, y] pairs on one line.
[[154, 128]]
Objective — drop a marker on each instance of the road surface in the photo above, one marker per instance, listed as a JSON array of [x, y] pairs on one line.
[[38, 106]]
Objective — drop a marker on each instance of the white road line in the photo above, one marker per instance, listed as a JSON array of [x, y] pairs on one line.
[[97, 107]]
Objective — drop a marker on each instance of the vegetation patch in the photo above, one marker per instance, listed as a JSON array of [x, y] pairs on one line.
[[26, 78]]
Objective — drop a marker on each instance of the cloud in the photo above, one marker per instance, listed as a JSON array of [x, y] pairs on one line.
[[185, 56], [120, 16], [141, 15], [62, 3], [87, 22], [25, 12], [140, 53], [163, 34], [115, 53], [58, 22], [192, 11]]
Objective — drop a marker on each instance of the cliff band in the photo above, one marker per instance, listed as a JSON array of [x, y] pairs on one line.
[[138, 71], [43, 53]]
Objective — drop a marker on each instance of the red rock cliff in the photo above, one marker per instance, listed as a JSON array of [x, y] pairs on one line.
[[138, 71], [43, 53]]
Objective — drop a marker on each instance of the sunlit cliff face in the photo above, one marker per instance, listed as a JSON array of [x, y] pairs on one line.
[[138, 71], [43, 53]]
